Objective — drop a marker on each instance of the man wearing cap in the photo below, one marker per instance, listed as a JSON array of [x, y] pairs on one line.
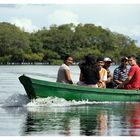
[[133, 79], [120, 73], [109, 82]]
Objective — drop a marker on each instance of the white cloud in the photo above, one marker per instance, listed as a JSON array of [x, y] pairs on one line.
[[24, 23], [127, 29], [62, 17], [133, 31]]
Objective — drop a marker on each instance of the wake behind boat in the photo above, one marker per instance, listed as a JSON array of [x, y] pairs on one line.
[[38, 88]]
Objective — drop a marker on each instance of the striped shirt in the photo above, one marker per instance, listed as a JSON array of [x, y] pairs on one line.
[[120, 74]]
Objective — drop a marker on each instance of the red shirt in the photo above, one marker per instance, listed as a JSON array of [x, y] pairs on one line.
[[134, 83]]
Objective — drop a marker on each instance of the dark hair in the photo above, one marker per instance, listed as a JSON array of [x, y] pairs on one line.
[[66, 57], [89, 59], [100, 59], [124, 58], [132, 56]]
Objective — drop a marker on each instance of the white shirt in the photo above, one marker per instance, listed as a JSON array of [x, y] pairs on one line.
[[61, 76]]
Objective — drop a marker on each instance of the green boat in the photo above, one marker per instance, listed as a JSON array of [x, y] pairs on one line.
[[43, 89]]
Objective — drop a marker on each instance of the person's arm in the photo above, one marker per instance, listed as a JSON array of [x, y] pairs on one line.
[[116, 77], [117, 82], [109, 77], [125, 82], [130, 75], [67, 72]]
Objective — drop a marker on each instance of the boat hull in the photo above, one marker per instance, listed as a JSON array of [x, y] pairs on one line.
[[43, 89]]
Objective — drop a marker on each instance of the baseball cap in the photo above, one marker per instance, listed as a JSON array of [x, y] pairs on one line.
[[107, 59]]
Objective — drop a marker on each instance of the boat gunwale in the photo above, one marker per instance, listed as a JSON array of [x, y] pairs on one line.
[[85, 88]]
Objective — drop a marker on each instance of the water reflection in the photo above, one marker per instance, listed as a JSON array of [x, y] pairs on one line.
[[51, 121], [91, 120], [134, 120], [102, 122], [88, 120]]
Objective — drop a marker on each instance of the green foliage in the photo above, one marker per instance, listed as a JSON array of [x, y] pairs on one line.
[[35, 44], [56, 62], [33, 57], [51, 45], [12, 36], [5, 59], [79, 55]]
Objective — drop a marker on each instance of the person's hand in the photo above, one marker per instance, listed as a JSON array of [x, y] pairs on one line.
[[120, 85], [109, 80]]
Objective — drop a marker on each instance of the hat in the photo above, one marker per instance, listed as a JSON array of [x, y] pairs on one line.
[[124, 58], [107, 59]]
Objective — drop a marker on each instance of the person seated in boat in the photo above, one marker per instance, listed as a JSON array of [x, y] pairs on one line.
[[109, 82], [133, 79], [89, 72], [102, 72], [120, 73], [64, 74]]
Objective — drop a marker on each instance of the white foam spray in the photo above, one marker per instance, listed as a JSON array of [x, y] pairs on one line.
[[55, 101], [16, 100]]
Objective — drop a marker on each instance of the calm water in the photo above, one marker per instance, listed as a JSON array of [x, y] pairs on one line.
[[58, 117]]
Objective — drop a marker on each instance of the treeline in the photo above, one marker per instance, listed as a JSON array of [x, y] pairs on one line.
[[51, 45]]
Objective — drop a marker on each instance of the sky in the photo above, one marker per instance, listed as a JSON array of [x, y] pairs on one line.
[[121, 18]]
